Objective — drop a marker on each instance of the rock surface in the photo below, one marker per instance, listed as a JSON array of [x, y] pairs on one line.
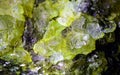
[[59, 37]]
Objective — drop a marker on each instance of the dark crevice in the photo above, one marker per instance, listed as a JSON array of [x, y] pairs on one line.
[[29, 38], [112, 54], [37, 2]]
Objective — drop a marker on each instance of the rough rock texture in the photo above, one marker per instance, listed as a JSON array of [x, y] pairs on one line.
[[59, 37]]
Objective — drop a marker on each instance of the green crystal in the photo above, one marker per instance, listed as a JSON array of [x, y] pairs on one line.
[[12, 21], [53, 41]]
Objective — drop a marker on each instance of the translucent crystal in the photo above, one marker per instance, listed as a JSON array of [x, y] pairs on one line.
[[56, 57], [94, 30]]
